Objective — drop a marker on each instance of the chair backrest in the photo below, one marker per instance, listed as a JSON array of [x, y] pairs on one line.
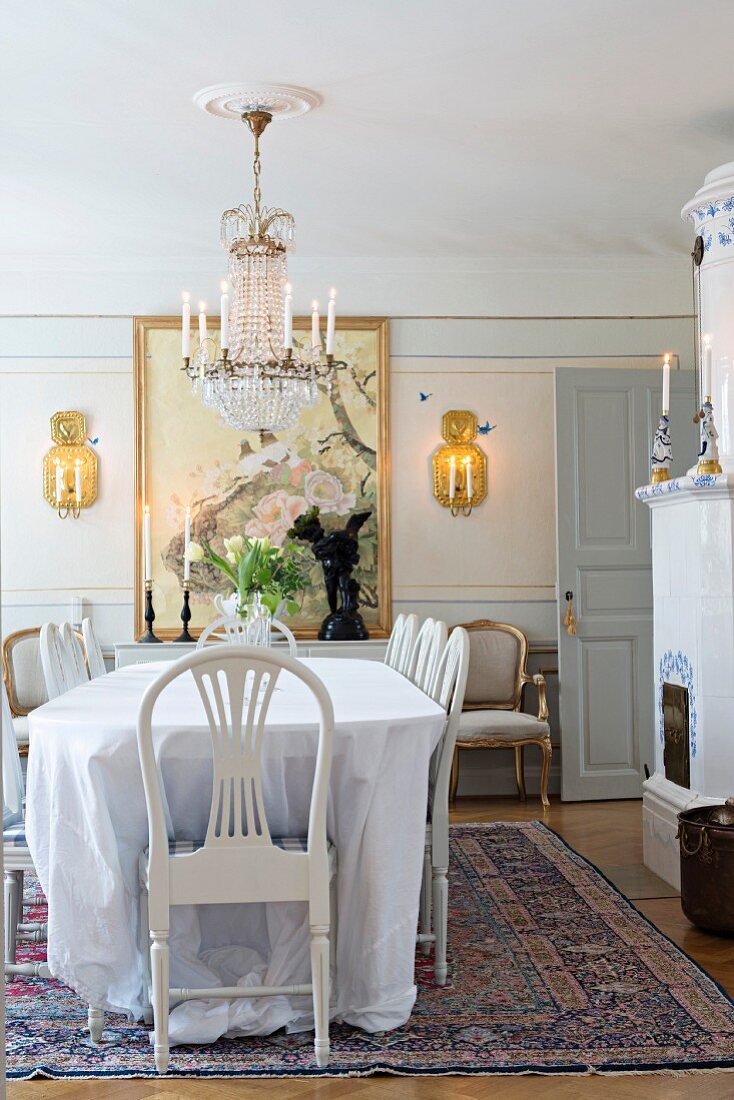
[[235, 684], [23, 671], [233, 630], [400, 646], [425, 653], [95, 660], [74, 649], [497, 665], [58, 665], [13, 787], [449, 685]]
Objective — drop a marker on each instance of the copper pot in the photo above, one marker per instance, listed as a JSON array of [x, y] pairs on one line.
[[706, 837]]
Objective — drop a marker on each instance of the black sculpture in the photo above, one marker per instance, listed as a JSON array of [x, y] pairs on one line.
[[338, 552]]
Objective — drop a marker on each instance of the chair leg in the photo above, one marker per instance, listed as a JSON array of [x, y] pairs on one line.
[[440, 922], [159, 971], [145, 950], [426, 889], [21, 887], [13, 889], [95, 1023], [547, 754], [520, 771], [320, 981], [454, 781]]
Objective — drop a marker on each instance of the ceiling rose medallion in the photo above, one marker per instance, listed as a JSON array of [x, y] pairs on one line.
[[256, 379]]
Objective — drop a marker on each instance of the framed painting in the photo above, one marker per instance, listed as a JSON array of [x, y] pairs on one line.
[[336, 456]]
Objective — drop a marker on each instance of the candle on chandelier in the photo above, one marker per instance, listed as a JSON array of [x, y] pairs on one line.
[[187, 541], [315, 331], [331, 322], [666, 384], [60, 473], [224, 316], [452, 477], [288, 318], [708, 355], [468, 482], [78, 480], [186, 326], [146, 544], [202, 322]]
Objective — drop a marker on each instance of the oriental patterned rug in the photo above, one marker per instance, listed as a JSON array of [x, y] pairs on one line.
[[552, 971]]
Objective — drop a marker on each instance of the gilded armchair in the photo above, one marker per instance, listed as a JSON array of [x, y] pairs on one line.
[[492, 716], [23, 676]]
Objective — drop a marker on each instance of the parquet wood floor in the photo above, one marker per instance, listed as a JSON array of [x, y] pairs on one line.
[[607, 833]]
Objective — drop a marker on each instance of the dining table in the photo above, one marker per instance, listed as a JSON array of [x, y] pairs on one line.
[[87, 827]]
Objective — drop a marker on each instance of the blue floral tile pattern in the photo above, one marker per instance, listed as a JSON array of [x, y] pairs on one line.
[[679, 665]]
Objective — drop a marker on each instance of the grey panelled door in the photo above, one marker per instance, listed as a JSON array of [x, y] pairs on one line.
[[605, 422]]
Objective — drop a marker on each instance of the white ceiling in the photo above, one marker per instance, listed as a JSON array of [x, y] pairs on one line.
[[483, 129]]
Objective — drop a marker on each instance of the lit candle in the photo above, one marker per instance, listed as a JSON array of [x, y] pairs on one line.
[[186, 327], [331, 322], [288, 320], [224, 316], [708, 355], [315, 331], [146, 544], [78, 480], [59, 481], [202, 322], [187, 540], [666, 385], [452, 477], [468, 478]]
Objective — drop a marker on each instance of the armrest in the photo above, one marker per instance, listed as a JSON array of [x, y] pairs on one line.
[[539, 681]]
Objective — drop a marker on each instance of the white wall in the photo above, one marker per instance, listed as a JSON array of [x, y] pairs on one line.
[[498, 564]]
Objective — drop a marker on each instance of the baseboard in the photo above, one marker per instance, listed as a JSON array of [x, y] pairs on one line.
[[500, 779]]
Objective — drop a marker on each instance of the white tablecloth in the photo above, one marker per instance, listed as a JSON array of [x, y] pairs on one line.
[[87, 824]]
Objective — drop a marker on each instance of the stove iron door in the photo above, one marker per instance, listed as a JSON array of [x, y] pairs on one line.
[[676, 753]]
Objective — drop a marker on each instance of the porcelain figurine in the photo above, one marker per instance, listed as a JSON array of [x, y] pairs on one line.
[[708, 456], [662, 451]]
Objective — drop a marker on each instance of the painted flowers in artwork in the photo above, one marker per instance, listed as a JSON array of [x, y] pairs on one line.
[[325, 491], [274, 515]]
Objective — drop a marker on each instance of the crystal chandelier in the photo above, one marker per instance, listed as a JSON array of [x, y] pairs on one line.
[[258, 381]]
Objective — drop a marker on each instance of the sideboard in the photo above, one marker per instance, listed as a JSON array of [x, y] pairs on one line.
[[138, 653]]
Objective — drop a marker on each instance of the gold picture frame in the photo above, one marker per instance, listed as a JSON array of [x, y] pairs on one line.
[[169, 420]]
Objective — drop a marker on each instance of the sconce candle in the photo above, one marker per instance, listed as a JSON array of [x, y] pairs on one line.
[[202, 322], [146, 544], [708, 354], [468, 478], [59, 481], [78, 480], [315, 331], [186, 327], [452, 477], [187, 540], [666, 385]]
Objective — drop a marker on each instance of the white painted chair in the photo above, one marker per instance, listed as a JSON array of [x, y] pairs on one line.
[[57, 664], [16, 856], [233, 629], [449, 685], [238, 860], [425, 653], [400, 645], [95, 660], [74, 650]]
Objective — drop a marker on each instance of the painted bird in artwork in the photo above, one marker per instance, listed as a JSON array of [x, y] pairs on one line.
[[425, 396], [486, 428]]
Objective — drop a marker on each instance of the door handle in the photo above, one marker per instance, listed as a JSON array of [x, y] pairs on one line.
[[569, 619]]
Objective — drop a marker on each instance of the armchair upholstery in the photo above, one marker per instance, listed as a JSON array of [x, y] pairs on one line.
[[492, 716], [23, 676]]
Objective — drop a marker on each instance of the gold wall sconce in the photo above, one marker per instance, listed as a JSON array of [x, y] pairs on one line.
[[70, 467], [459, 466]]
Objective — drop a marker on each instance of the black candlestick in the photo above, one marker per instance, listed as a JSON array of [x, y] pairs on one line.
[[149, 636], [184, 636]]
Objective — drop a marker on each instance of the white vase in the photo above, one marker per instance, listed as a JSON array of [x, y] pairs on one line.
[[230, 606]]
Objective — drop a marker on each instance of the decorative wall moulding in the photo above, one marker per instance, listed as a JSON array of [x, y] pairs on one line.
[[70, 467]]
